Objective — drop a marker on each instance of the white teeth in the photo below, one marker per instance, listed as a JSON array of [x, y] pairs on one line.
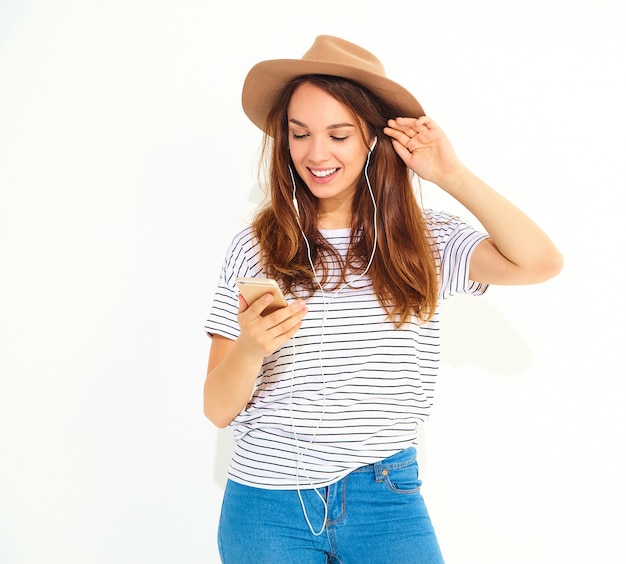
[[323, 173]]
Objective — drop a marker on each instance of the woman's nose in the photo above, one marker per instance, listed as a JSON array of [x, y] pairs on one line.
[[317, 151]]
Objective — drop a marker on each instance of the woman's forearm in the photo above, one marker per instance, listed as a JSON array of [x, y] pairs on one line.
[[235, 365], [230, 380], [533, 256]]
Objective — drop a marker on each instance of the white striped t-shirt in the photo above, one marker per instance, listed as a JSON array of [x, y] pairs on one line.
[[349, 389]]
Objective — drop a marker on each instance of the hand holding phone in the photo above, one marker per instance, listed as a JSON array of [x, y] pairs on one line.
[[253, 288]]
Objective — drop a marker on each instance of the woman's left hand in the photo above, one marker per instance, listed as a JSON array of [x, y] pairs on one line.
[[518, 251], [424, 147]]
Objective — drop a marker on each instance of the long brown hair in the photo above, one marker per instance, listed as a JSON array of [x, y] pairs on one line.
[[403, 271]]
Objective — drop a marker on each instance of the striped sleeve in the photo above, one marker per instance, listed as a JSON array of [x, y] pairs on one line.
[[242, 259], [454, 241]]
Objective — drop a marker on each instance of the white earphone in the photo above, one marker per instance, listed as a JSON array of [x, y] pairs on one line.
[[299, 454]]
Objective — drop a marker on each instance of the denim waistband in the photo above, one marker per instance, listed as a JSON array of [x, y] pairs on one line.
[[398, 460]]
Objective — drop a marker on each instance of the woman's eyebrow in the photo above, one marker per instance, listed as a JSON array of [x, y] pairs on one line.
[[333, 126]]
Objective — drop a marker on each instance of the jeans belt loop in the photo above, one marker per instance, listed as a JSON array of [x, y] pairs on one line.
[[379, 471]]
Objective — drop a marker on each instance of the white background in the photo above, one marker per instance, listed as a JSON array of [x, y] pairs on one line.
[[127, 164]]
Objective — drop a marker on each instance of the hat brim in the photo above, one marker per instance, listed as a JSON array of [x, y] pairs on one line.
[[267, 79]]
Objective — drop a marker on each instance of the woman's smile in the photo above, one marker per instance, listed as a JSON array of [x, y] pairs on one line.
[[323, 175]]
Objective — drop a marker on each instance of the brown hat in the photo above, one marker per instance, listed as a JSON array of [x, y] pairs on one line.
[[329, 56]]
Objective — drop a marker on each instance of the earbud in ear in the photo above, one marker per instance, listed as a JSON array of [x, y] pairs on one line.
[[373, 144]]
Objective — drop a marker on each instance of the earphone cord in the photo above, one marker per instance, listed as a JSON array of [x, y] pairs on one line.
[[299, 453]]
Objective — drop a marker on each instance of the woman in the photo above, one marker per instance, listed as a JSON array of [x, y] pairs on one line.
[[325, 396]]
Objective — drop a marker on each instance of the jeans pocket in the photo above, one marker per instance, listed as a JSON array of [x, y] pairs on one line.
[[403, 480]]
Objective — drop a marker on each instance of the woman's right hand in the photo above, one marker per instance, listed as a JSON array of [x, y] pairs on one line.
[[234, 365], [261, 335]]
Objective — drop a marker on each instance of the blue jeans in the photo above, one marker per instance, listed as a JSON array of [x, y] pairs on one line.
[[376, 515]]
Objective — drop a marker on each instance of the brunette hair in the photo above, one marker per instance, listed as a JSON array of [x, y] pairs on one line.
[[403, 271]]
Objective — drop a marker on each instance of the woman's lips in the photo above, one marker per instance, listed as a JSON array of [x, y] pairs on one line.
[[323, 175]]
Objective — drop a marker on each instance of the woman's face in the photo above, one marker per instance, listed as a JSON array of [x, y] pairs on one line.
[[326, 147]]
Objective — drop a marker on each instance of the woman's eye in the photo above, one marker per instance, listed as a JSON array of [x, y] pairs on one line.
[[300, 136]]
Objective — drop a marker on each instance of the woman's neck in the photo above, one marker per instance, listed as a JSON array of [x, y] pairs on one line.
[[329, 225], [335, 219]]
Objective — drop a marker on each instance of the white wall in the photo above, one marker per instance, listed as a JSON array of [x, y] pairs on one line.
[[126, 165]]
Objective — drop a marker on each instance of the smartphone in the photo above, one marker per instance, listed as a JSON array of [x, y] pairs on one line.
[[253, 288]]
